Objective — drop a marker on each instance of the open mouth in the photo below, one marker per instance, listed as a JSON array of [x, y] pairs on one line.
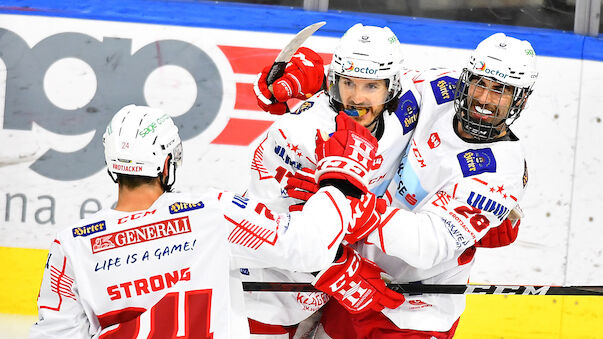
[[482, 113]]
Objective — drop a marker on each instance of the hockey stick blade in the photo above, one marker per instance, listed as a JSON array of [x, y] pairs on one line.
[[280, 63], [416, 288]]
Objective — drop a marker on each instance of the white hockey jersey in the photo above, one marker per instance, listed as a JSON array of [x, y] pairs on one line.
[[456, 190], [289, 146], [172, 270]]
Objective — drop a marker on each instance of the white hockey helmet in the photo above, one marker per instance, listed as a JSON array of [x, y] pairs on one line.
[[138, 140], [507, 61], [366, 52]]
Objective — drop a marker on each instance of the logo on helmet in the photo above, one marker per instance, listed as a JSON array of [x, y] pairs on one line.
[[482, 66], [495, 72], [349, 66]]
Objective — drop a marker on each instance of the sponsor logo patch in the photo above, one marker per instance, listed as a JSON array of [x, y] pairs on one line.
[[409, 190], [140, 234], [304, 107], [84, 231], [443, 89], [408, 112], [477, 161], [417, 304], [180, 207], [434, 140]]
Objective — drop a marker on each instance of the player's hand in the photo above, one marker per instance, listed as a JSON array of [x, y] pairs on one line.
[[366, 216], [356, 284], [348, 155], [501, 235], [302, 78], [301, 185], [264, 96], [505, 233]]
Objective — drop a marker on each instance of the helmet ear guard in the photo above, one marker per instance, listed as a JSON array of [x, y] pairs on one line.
[[506, 61]]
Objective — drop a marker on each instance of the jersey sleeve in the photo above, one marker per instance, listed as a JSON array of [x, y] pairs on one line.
[[303, 241], [451, 221], [272, 163], [60, 311]]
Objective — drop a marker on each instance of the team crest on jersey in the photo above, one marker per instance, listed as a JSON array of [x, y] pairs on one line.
[[477, 161], [304, 107], [443, 89], [408, 112], [179, 207], [84, 231], [525, 173]]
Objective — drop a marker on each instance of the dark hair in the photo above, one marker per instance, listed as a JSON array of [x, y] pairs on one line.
[[133, 181]]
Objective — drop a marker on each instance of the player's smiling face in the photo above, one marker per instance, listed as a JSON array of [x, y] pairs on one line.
[[489, 101], [366, 96]]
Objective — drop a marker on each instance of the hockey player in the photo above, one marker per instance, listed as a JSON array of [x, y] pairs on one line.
[[160, 264], [269, 172], [462, 173], [363, 81]]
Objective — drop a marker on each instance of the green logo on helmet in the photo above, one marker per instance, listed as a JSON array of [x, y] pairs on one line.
[[150, 128]]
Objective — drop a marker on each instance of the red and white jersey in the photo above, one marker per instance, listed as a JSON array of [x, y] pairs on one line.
[[289, 146], [449, 192], [172, 270]]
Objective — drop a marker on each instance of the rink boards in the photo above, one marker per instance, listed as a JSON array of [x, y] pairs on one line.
[[64, 71]]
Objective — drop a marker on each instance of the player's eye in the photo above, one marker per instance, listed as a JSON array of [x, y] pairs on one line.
[[348, 83], [373, 86]]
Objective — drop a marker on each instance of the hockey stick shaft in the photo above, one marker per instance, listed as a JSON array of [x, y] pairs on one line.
[[441, 289]]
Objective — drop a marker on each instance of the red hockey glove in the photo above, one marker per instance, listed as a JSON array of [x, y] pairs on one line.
[[366, 215], [302, 78], [356, 284], [301, 185], [501, 235], [263, 95], [349, 154]]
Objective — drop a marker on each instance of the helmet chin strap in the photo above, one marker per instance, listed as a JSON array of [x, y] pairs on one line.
[[377, 127], [114, 178], [171, 176]]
